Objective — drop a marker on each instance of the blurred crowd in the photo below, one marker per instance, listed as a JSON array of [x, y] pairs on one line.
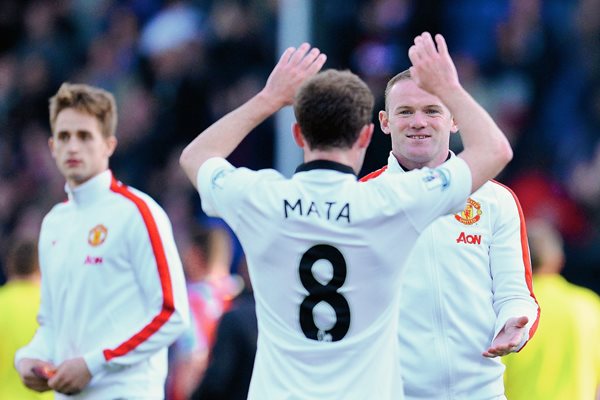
[[177, 66]]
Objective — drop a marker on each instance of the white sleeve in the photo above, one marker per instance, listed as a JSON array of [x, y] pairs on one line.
[[158, 268], [222, 187], [427, 194], [211, 180], [510, 266], [41, 345]]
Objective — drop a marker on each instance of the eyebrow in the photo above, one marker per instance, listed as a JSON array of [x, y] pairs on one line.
[[78, 132], [425, 106]]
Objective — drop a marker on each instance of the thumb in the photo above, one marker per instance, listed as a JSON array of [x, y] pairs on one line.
[[521, 321]]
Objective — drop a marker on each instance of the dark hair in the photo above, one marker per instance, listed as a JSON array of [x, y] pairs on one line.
[[331, 109], [22, 259]]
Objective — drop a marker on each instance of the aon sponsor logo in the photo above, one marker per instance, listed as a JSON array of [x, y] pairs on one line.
[[468, 239]]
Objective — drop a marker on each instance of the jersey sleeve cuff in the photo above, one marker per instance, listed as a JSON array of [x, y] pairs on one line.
[[94, 361]]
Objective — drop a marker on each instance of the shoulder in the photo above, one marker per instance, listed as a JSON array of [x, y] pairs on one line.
[[373, 174], [499, 193], [586, 296], [500, 189], [57, 212], [136, 201], [218, 173]]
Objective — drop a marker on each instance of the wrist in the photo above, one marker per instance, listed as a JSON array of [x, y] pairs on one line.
[[448, 93], [271, 103], [94, 362]]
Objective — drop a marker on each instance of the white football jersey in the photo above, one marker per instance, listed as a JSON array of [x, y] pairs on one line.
[[325, 261]]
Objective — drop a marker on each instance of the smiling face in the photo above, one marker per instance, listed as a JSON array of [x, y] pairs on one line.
[[78, 146], [420, 125]]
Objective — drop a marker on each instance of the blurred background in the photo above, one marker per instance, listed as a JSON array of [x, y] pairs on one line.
[[177, 66]]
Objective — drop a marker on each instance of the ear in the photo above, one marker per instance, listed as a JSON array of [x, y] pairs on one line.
[[384, 122], [365, 135], [454, 127], [51, 146], [111, 143], [298, 137]]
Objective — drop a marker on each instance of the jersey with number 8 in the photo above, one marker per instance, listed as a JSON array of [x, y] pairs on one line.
[[323, 252]]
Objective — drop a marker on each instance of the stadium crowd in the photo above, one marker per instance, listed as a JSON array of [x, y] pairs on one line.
[[177, 66]]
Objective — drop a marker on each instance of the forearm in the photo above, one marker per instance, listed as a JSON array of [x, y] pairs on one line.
[[222, 137], [486, 148]]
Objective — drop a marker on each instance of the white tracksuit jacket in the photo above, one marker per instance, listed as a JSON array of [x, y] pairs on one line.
[[113, 290], [467, 274]]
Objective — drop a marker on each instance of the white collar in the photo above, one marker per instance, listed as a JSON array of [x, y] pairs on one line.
[[394, 166], [90, 190]]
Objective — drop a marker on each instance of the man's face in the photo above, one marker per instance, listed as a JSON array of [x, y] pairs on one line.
[[78, 147], [419, 124]]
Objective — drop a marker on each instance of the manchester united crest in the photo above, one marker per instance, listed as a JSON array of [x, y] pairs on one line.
[[97, 235], [471, 213]]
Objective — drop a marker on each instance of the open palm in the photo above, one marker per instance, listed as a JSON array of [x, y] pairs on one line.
[[509, 338]]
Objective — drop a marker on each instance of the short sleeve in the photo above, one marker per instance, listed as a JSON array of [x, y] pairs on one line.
[[429, 193]]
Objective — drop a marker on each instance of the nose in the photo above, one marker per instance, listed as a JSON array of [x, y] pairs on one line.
[[418, 121], [72, 145]]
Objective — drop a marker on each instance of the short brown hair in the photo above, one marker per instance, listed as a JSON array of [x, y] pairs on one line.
[[89, 99], [331, 109], [396, 78], [22, 259]]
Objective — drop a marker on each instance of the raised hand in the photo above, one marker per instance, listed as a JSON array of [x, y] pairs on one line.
[[293, 68], [509, 338], [432, 68]]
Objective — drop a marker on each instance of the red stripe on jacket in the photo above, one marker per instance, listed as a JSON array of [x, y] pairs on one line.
[[524, 245], [526, 258], [373, 174], [168, 306]]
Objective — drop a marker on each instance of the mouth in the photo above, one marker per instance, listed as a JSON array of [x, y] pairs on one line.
[[72, 163], [418, 137]]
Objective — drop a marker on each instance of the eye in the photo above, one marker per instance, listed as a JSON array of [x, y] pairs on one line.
[[63, 136], [84, 135], [432, 111], [405, 112]]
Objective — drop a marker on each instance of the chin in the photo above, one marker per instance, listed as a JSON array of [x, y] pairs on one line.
[[78, 179]]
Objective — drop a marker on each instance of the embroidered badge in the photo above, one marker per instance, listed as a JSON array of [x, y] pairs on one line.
[[471, 213], [218, 177], [439, 177], [97, 235]]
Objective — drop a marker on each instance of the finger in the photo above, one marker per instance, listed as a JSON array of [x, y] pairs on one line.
[[441, 45], [299, 54], [413, 55], [317, 64], [522, 321], [57, 383], [310, 58], [428, 45], [488, 354], [285, 57]]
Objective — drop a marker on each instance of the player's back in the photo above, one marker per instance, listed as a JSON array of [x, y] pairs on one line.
[[323, 254], [315, 322]]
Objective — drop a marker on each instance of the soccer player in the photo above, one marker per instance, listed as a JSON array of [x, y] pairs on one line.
[[113, 292], [563, 362], [19, 302], [466, 296], [319, 245]]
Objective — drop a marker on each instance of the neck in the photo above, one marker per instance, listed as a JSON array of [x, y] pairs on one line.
[[409, 165], [33, 278], [346, 157]]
